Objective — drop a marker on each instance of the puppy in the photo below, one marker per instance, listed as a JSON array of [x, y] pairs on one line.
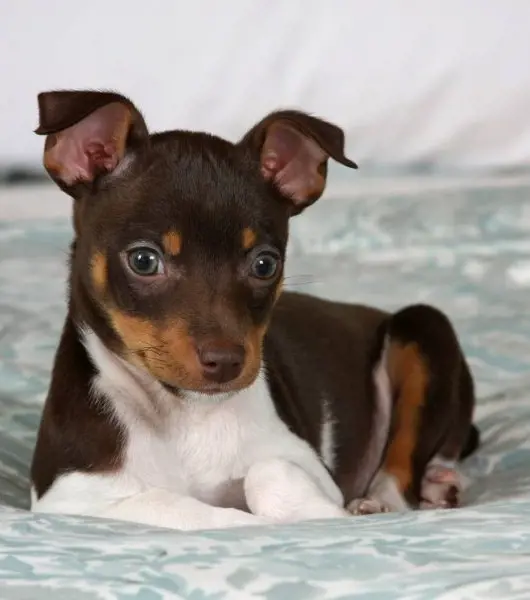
[[188, 391]]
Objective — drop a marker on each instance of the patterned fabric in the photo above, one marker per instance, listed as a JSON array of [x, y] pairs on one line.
[[468, 252]]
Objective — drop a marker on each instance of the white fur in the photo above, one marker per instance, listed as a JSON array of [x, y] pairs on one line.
[[384, 488], [327, 436], [123, 166], [381, 420], [179, 453]]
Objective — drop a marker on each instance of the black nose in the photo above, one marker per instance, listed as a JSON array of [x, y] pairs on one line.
[[221, 361]]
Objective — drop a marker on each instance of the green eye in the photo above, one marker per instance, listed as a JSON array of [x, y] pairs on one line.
[[145, 262], [264, 266]]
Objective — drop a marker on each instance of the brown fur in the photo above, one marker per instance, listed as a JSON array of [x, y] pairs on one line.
[[409, 376]]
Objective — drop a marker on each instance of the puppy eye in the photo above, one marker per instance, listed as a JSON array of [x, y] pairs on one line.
[[264, 266], [145, 261]]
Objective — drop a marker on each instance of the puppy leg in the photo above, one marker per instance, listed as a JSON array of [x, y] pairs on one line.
[[164, 509], [433, 408], [441, 484], [282, 491], [384, 495], [123, 498]]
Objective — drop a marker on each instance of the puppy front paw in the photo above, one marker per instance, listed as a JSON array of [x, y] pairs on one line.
[[366, 506]]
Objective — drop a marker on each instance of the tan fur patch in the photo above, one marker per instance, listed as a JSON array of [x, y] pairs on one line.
[[136, 333], [172, 242], [410, 377], [166, 350], [253, 346], [279, 290], [254, 340], [98, 270], [248, 238]]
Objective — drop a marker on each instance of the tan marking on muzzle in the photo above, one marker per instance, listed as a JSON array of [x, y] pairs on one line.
[[168, 352], [172, 242], [409, 375], [253, 346], [165, 350]]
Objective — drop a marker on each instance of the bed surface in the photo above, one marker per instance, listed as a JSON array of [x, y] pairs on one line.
[[464, 248]]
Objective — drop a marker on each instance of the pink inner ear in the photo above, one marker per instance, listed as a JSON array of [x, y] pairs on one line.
[[293, 160], [96, 144]]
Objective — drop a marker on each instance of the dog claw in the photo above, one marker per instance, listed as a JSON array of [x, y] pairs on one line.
[[366, 506]]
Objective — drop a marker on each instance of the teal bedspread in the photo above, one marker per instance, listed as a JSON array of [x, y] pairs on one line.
[[466, 251]]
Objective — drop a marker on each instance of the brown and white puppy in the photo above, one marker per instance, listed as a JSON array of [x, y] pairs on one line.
[[187, 390]]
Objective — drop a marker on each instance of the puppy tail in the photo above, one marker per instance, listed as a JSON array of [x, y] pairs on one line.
[[472, 442]]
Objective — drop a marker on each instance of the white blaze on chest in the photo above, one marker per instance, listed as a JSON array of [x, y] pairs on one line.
[[381, 421], [327, 436], [195, 450], [192, 445]]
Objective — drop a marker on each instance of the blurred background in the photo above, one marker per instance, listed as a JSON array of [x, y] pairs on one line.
[[438, 85]]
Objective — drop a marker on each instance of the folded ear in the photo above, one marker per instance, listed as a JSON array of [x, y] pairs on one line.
[[87, 134], [294, 149]]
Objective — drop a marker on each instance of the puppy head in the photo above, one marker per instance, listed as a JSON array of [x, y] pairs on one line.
[[180, 236]]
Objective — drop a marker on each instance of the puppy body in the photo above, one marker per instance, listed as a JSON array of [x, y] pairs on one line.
[[201, 448], [187, 391]]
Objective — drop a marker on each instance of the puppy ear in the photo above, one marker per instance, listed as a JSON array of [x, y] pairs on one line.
[[87, 134], [293, 150]]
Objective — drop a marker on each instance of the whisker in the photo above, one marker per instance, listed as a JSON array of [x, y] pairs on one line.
[[301, 284], [299, 280]]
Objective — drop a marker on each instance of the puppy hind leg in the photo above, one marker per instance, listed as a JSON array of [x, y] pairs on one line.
[[425, 365], [441, 483]]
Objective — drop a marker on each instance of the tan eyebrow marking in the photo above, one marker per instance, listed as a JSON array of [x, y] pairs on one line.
[[172, 242], [98, 270], [249, 238]]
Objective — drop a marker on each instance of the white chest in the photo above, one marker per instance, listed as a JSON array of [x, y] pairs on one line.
[[197, 445], [197, 449]]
